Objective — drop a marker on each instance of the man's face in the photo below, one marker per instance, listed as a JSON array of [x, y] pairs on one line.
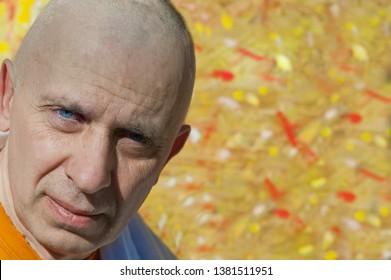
[[89, 136]]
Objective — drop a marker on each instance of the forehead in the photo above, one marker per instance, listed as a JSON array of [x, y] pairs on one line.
[[122, 94], [137, 68], [136, 87], [153, 70]]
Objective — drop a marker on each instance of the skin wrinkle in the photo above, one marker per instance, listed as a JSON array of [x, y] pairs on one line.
[[151, 131], [98, 198], [137, 105], [131, 92], [88, 165]]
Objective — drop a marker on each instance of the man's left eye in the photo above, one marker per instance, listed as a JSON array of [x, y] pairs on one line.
[[137, 137], [66, 114]]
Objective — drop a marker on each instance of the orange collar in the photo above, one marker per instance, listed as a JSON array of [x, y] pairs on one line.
[[13, 246]]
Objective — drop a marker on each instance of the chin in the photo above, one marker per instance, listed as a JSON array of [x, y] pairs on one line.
[[67, 245]]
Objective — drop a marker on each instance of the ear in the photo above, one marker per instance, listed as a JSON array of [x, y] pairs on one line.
[[6, 94], [180, 141]]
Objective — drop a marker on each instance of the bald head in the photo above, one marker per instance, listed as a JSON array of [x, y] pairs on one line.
[[93, 28]]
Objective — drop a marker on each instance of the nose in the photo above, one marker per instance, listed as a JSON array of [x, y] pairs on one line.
[[90, 163]]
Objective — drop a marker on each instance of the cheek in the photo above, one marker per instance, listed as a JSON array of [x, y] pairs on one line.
[[33, 152], [135, 180]]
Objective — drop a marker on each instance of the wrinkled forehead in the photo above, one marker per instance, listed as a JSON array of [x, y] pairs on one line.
[[121, 59], [150, 70], [113, 57]]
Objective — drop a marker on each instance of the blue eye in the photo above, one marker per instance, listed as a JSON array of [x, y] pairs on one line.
[[66, 114], [137, 137]]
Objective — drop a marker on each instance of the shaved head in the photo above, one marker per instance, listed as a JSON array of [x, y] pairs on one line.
[[107, 25]]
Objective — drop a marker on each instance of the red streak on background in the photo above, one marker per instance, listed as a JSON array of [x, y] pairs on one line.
[[378, 96], [346, 196], [252, 55], [226, 76]]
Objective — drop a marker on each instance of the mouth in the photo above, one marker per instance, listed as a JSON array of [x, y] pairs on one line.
[[72, 216]]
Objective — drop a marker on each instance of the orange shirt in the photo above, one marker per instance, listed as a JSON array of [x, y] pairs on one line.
[[13, 246]]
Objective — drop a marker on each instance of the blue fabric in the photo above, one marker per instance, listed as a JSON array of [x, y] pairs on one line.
[[137, 242]]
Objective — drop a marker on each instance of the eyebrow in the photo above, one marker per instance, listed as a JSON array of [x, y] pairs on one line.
[[149, 131], [63, 100]]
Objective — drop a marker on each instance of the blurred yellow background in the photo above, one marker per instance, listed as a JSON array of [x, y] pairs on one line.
[[288, 157]]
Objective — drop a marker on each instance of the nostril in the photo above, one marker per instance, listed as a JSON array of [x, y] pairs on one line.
[[89, 175]]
